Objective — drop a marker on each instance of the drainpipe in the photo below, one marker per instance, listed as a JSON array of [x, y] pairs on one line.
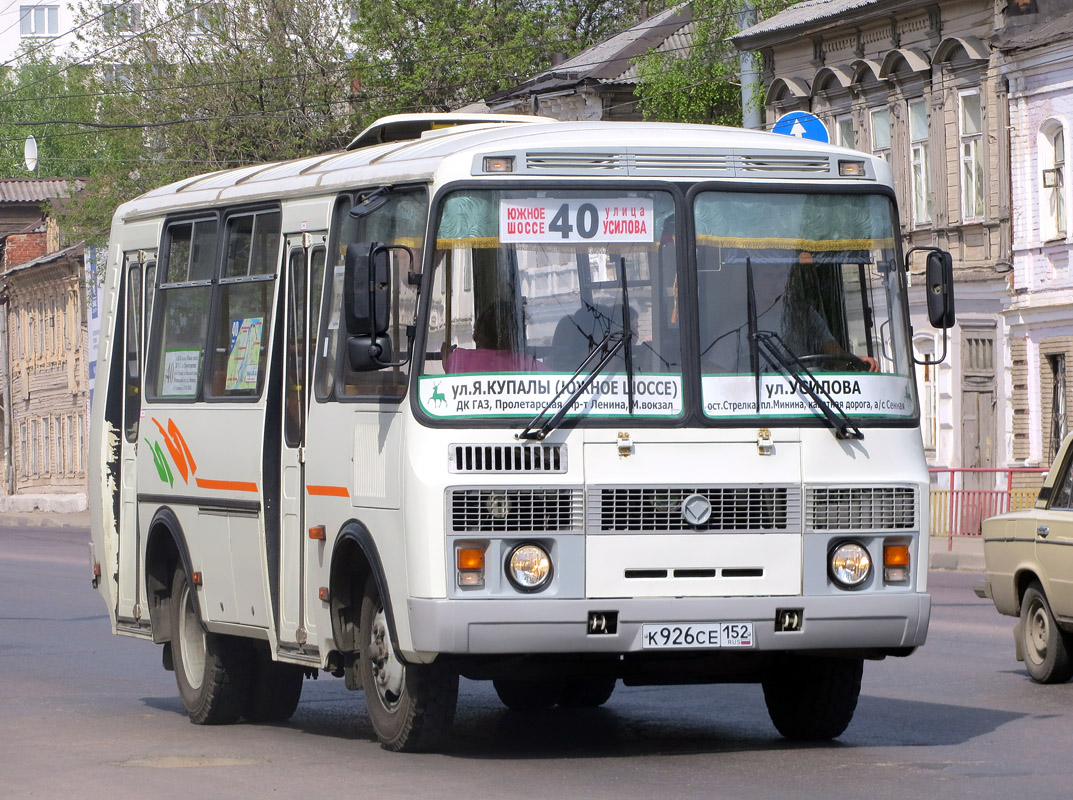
[[750, 77]]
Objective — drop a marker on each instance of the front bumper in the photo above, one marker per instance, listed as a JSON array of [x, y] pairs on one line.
[[874, 622]]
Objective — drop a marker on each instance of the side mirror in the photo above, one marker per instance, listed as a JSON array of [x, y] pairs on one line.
[[366, 289], [939, 285], [367, 304]]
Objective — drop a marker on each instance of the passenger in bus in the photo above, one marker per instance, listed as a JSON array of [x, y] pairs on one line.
[[496, 336], [578, 334]]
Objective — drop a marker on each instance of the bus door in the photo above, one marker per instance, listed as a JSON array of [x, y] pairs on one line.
[[139, 270], [304, 275]]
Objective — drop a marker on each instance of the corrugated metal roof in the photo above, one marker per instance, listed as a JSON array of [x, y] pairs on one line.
[[37, 190], [804, 13], [610, 60], [1035, 34]]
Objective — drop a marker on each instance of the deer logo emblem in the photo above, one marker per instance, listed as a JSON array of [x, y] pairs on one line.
[[438, 397]]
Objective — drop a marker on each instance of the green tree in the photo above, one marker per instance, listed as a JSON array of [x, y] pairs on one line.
[[703, 83]]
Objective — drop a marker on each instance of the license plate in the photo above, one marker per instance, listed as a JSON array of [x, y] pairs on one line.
[[676, 635]]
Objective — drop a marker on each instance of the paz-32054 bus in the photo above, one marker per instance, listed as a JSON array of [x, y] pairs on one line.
[[555, 405]]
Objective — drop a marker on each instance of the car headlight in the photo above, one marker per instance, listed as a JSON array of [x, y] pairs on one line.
[[850, 564], [529, 567]]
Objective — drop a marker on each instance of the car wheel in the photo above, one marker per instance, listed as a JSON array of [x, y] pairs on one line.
[[1045, 645], [212, 671], [411, 706]]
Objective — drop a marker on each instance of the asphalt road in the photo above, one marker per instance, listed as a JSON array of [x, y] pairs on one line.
[[84, 714]]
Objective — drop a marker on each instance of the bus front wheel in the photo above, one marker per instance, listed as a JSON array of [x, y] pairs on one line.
[[212, 671], [813, 698], [411, 706]]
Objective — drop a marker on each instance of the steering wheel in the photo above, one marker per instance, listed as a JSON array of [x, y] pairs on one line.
[[834, 362]]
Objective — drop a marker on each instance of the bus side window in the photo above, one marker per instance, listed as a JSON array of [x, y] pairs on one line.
[[181, 308], [246, 289]]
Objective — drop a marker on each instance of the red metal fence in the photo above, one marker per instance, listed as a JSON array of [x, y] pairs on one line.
[[958, 509]]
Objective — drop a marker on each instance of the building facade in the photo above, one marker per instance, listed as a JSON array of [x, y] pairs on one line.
[[45, 348], [1037, 61], [917, 84]]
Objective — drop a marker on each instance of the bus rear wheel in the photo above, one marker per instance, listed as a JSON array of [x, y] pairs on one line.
[[813, 698], [411, 706], [212, 671], [275, 689]]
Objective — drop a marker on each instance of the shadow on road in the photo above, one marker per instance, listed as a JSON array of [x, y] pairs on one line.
[[638, 723]]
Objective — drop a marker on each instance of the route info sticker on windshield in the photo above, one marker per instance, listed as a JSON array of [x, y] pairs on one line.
[[549, 220]]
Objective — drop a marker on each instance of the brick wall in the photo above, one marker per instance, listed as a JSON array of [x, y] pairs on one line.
[[22, 247]]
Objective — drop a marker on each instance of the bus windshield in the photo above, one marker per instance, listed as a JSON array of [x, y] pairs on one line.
[[527, 284], [800, 306], [814, 278]]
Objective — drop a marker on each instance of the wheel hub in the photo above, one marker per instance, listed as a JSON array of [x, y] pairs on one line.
[[191, 641], [388, 672]]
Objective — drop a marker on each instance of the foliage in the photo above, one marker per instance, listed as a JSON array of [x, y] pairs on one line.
[[703, 83], [428, 55]]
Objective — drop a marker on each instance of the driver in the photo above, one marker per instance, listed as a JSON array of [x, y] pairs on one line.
[[802, 326]]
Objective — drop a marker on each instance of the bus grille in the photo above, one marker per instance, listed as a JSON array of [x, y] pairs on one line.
[[734, 508], [515, 510], [465, 458], [859, 508]]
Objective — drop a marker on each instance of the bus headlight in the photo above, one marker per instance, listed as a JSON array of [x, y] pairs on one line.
[[850, 565], [529, 567]]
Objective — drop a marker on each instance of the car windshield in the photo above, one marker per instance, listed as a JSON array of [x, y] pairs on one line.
[[528, 284], [814, 278]]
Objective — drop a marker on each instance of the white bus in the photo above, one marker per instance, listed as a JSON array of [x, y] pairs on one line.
[[554, 405]]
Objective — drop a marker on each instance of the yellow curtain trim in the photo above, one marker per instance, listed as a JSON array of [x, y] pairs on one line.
[[478, 242], [811, 245]]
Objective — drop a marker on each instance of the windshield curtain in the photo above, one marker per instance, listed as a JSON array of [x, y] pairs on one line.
[[815, 276], [527, 284]]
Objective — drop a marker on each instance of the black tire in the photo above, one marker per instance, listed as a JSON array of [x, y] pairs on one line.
[[212, 671], [528, 695], [813, 698], [1045, 646], [411, 706], [587, 692], [275, 689]]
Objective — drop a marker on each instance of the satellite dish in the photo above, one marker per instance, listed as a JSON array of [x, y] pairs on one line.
[[29, 151]]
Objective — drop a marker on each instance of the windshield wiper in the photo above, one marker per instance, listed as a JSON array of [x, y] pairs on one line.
[[792, 368], [618, 340]]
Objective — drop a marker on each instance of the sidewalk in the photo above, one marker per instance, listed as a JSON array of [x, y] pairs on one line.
[[967, 554], [45, 519]]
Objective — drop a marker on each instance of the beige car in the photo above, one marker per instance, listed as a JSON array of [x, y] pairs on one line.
[[1029, 557]]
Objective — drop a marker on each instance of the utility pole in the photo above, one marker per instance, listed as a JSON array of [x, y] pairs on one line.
[[750, 77]]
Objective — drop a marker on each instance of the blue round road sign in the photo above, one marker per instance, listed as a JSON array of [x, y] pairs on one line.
[[802, 125]]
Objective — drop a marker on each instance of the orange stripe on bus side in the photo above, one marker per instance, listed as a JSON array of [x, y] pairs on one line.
[[227, 486], [328, 491]]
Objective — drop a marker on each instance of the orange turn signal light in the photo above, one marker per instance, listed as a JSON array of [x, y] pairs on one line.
[[318, 533], [896, 555], [470, 558]]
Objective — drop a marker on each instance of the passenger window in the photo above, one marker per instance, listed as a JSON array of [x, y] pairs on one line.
[[246, 290], [181, 306], [401, 220]]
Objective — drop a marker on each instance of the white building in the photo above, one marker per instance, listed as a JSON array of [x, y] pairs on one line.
[[34, 24], [1038, 64]]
